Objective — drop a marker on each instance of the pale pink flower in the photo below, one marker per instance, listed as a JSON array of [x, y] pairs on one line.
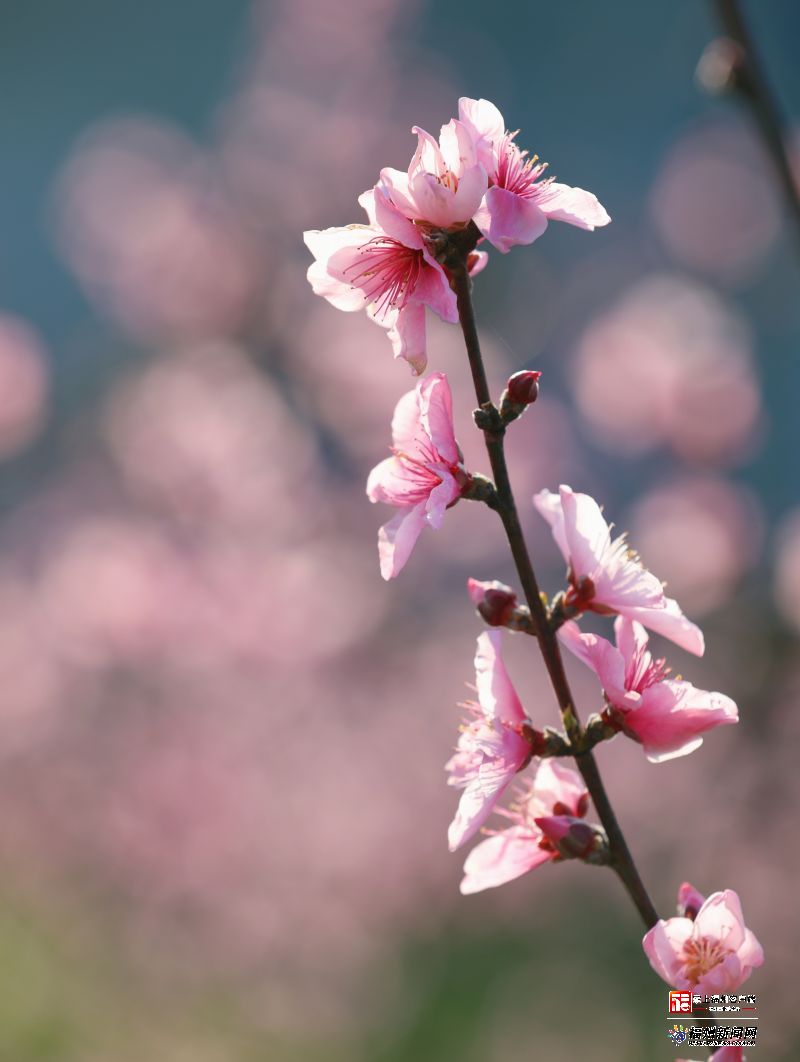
[[492, 747], [424, 476], [384, 267], [666, 716], [519, 202], [713, 953], [606, 576], [556, 791], [445, 182]]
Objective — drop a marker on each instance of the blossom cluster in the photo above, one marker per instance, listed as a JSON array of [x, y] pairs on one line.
[[476, 181], [475, 174]]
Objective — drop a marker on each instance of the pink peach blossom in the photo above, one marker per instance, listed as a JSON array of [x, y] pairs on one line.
[[606, 576], [666, 716], [424, 476], [519, 203], [445, 182], [690, 900], [556, 791], [491, 748], [384, 267], [713, 953]]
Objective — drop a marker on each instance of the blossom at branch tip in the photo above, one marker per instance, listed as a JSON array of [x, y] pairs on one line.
[[711, 954], [555, 793], [606, 576], [520, 201], [425, 474], [666, 716], [492, 747], [445, 182], [385, 268]]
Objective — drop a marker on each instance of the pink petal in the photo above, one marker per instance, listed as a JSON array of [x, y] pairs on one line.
[[396, 539], [408, 434], [502, 858], [436, 415], [496, 693], [478, 800], [555, 783], [398, 187], [670, 622], [721, 918], [750, 952], [549, 506], [384, 215], [335, 250], [507, 219], [458, 148], [663, 946], [433, 289], [482, 119], [601, 656], [586, 531], [408, 336], [440, 499], [673, 715], [573, 205]]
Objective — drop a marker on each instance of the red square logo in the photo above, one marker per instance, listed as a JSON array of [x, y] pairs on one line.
[[680, 1002]]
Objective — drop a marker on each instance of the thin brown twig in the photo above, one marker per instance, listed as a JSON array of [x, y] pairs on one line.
[[489, 420]]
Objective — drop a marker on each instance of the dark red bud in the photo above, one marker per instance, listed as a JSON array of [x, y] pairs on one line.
[[523, 387], [494, 601]]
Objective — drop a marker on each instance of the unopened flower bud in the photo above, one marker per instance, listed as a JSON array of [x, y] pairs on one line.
[[523, 387], [573, 838], [494, 601], [720, 66]]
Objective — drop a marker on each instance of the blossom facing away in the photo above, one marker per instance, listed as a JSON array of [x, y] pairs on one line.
[[492, 747], [605, 575], [520, 201], [555, 793], [385, 268], [445, 182], [423, 476], [666, 716], [714, 952]]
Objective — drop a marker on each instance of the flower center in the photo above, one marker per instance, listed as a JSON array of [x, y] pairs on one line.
[[515, 171], [700, 956], [388, 272]]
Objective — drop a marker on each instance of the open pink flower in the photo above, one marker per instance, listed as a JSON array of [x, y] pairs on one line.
[[492, 747], [384, 267], [666, 716], [445, 182], [425, 474], [556, 792], [519, 202], [713, 953], [606, 576]]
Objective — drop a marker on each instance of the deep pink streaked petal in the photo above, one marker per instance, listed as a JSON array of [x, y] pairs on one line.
[[496, 692], [436, 415], [670, 622], [663, 946], [502, 858], [433, 289], [479, 798], [335, 250], [560, 202], [507, 220], [395, 482], [396, 539], [673, 716]]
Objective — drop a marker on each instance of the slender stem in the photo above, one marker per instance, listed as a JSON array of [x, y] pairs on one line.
[[621, 860], [750, 81]]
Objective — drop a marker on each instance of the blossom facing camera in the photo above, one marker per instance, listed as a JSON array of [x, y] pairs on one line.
[[497, 743], [666, 716], [425, 474], [555, 792], [520, 201], [711, 954], [385, 268], [606, 576]]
